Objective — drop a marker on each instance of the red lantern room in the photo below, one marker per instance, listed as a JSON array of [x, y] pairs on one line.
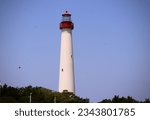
[[66, 21]]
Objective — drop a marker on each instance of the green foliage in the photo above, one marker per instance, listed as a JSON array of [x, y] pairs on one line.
[[117, 99], [39, 95], [68, 97], [147, 100], [10, 94]]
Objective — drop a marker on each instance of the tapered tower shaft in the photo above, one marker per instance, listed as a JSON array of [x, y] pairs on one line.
[[66, 71]]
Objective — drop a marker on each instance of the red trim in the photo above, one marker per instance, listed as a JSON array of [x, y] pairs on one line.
[[66, 24]]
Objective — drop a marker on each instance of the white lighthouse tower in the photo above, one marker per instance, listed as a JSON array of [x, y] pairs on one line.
[[66, 70]]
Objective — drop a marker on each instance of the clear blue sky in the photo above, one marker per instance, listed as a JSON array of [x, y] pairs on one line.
[[111, 43]]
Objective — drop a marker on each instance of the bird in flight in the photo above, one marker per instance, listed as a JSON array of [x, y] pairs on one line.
[[19, 67]]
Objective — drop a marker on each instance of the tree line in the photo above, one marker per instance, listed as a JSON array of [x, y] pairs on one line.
[[128, 99], [10, 94]]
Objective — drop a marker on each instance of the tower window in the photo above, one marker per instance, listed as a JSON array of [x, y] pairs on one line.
[[62, 70], [71, 56]]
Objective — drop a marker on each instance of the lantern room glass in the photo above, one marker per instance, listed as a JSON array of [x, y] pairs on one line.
[[66, 18]]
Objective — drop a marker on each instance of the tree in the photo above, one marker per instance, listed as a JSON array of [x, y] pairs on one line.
[[147, 100], [117, 99], [39, 95]]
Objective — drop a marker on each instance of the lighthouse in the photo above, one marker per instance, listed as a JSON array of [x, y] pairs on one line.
[[66, 70]]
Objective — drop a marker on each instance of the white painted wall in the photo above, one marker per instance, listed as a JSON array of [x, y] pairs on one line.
[[66, 71]]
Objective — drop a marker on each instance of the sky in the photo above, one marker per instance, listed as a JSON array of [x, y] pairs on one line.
[[111, 43]]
